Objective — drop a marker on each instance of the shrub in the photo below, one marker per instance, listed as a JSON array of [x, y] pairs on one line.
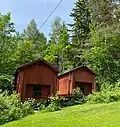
[[6, 83], [38, 105], [50, 105], [108, 94], [95, 97], [11, 108], [76, 98], [54, 104]]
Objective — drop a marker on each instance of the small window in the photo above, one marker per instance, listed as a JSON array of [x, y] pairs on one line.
[[36, 91]]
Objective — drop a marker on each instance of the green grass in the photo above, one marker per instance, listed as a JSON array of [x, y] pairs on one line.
[[95, 115]]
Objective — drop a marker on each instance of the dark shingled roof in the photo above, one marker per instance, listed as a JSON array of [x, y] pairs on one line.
[[80, 67], [36, 61]]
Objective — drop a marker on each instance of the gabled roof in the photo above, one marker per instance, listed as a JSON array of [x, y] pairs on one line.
[[31, 63], [80, 67], [36, 61]]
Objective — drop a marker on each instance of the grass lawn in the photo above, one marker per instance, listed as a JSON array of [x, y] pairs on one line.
[[95, 115]]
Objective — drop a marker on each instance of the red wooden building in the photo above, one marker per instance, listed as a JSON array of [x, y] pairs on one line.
[[82, 77], [37, 79]]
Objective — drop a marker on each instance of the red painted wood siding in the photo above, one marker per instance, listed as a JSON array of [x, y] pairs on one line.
[[64, 85], [68, 81], [35, 74], [84, 76]]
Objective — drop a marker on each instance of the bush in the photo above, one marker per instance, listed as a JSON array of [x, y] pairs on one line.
[[11, 108], [76, 98], [50, 105], [38, 105], [54, 104], [107, 95], [6, 83]]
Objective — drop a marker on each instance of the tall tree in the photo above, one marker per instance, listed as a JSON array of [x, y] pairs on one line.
[[59, 47], [81, 18], [6, 50], [103, 12], [89, 14], [80, 30], [13, 52], [56, 30], [6, 31], [104, 55], [31, 33]]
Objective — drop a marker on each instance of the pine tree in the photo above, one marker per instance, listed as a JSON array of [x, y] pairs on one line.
[[81, 18], [32, 34], [80, 30], [88, 14]]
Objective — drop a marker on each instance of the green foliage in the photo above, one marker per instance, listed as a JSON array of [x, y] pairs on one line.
[[38, 105], [6, 31], [102, 12], [11, 108], [106, 95], [77, 97], [50, 105], [32, 34], [24, 53], [88, 14], [6, 51], [94, 42], [59, 48], [6, 83], [17, 49], [86, 115], [54, 104], [57, 102], [81, 25], [103, 55], [117, 12], [80, 30]]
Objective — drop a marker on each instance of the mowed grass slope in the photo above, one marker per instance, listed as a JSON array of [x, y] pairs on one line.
[[95, 115]]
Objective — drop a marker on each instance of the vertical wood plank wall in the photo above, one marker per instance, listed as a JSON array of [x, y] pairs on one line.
[[36, 74]]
